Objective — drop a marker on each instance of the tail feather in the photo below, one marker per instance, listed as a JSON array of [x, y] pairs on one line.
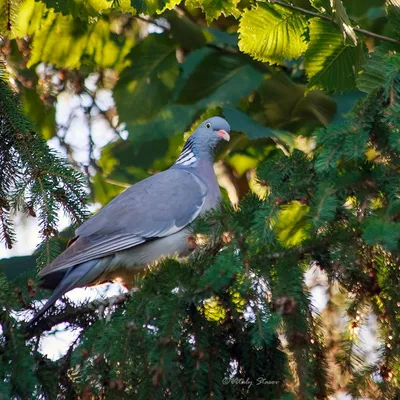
[[76, 276]]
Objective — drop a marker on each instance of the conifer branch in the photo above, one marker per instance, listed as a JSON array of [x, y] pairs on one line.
[[79, 315]]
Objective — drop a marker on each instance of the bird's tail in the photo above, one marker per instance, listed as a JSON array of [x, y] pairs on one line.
[[77, 276]]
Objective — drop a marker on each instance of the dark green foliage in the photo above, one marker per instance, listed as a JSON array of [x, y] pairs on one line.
[[235, 320], [34, 179]]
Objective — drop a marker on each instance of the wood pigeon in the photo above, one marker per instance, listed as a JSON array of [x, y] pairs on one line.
[[144, 223]]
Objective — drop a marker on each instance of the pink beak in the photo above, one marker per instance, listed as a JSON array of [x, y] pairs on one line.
[[224, 134]]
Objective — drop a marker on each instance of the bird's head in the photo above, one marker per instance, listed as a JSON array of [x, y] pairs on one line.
[[204, 141]]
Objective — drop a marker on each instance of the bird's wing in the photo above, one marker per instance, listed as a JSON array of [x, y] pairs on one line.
[[158, 206]]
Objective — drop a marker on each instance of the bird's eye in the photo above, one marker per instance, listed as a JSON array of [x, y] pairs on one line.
[[208, 125]]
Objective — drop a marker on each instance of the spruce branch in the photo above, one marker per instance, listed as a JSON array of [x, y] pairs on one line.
[[34, 177], [79, 315]]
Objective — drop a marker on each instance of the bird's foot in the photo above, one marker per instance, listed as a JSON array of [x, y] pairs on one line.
[[191, 239]]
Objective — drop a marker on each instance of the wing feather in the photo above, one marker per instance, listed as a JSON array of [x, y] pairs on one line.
[[158, 206]]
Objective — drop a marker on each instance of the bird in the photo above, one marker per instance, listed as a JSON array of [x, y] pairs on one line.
[[148, 221]]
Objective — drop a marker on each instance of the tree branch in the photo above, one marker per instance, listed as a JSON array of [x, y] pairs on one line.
[[326, 18], [72, 314]]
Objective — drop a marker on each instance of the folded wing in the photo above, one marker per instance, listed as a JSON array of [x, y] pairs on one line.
[[158, 206]]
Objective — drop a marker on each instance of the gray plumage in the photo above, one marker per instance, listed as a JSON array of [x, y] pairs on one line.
[[146, 222]]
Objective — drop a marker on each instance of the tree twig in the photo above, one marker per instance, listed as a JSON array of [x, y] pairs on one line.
[[71, 315]]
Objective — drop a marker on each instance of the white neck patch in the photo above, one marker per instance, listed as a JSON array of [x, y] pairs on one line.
[[186, 158]]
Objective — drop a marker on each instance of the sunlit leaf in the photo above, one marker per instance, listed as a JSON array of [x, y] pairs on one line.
[[292, 226], [330, 64], [272, 33], [9, 15], [30, 15], [153, 6], [215, 8], [67, 42], [84, 9]]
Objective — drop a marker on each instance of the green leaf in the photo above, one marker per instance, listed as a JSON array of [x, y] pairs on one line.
[[66, 42], [287, 106], [150, 7], [393, 13], [212, 72], [184, 31], [128, 161], [147, 86], [30, 15], [292, 226], [214, 8], [84, 9], [272, 33], [336, 9], [241, 122], [9, 15], [171, 121], [330, 64]]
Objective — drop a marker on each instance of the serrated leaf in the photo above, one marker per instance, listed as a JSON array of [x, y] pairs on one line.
[[393, 13], [66, 42], [30, 15], [241, 122], [150, 7], [272, 33], [329, 63], [337, 11], [323, 6], [90, 8], [214, 8], [145, 87], [9, 15]]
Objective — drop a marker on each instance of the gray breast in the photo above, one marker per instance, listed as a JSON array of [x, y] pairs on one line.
[[124, 265]]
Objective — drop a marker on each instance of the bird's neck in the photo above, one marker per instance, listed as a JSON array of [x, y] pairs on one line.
[[192, 154]]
